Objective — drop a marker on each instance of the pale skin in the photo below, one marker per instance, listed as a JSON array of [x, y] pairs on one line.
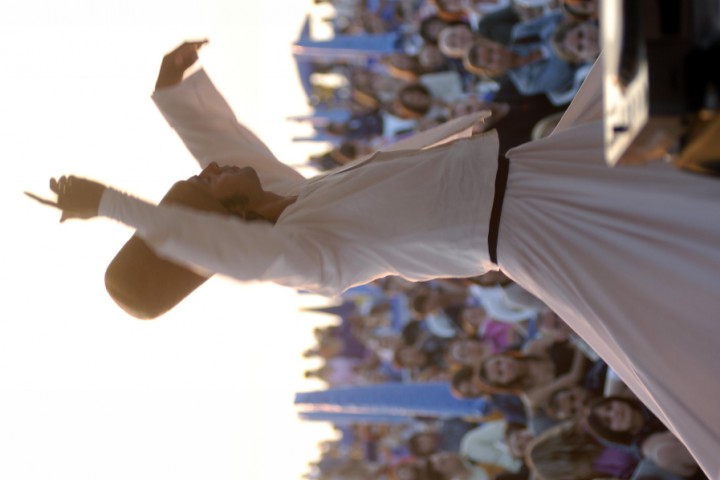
[[80, 198]]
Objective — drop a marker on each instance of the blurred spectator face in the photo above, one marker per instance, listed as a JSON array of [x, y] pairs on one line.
[[468, 389], [455, 39], [409, 357], [570, 403], [431, 58], [416, 100], [583, 41], [491, 56], [468, 351], [474, 316], [501, 370], [407, 472], [518, 441], [618, 416], [447, 463]]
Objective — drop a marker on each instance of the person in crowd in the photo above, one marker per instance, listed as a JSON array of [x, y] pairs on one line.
[[468, 351], [628, 424], [577, 42], [530, 68], [430, 27], [453, 40], [442, 435], [412, 102], [426, 213], [544, 369], [569, 403], [565, 452], [487, 445], [453, 465]]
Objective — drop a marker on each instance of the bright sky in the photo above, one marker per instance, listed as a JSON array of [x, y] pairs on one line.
[[86, 392]]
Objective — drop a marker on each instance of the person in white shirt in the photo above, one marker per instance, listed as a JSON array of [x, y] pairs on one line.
[[628, 257]]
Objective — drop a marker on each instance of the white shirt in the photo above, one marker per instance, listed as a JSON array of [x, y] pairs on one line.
[[420, 214]]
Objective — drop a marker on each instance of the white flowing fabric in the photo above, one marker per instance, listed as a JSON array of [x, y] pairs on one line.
[[630, 258]]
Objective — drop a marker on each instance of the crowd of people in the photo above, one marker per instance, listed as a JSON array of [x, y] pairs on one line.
[[521, 61], [555, 410]]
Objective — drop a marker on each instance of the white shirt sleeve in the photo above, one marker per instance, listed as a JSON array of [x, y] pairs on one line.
[[209, 242], [208, 127]]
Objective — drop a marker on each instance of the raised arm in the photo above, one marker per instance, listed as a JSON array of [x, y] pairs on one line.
[[538, 396], [204, 121]]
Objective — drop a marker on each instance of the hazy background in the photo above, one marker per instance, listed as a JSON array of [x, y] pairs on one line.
[[85, 391]]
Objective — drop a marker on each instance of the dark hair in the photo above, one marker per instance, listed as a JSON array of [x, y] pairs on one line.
[[598, 428], [414, 88], [419, 302], [425, 28], [464, 374], [411, 332]]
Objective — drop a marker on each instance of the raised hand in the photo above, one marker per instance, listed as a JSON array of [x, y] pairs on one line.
[[76, 197], [175, 63]]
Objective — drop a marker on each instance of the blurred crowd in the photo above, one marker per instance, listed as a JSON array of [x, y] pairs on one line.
[[551, 408], [396, 67]]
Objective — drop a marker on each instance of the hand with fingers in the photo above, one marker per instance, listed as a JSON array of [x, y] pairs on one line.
[[175, 63], [76, 197]]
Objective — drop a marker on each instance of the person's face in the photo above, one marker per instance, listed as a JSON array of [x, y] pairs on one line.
[[406, 472], [493, 57], [458, 38], [228, 181], [583, 41], [570, 403], [518, 442], [468, 352], [431, 58], [502, 370], [415, 100], [447, 463], [618, 416], [475, 316], [468, 389]]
